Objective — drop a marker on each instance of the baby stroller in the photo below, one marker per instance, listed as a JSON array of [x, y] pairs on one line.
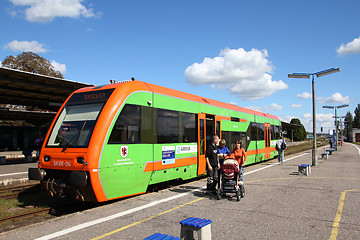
[[229, 178]]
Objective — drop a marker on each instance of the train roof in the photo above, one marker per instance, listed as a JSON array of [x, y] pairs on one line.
[[141, 86]]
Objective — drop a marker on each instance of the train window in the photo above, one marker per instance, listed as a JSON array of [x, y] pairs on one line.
[[167, 126], [260, 131], [147, 125], [254, 131], [273, 132], [234, 119], [127, 126], [277, 132], [189, 133], [226, 135], [74, 126], [202, 138]]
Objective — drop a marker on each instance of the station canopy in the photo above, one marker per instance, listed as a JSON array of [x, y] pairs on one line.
[[35, 90]]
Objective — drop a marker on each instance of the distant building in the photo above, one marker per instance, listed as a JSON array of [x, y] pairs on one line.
[[356, 135]]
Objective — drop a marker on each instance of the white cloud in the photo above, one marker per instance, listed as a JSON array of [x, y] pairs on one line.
[[286, 118], [322, 120], [349, 48], [304, 95], [59, 67], [296, 105], [326, 121], [45, 10], [271, 107], [337, 98], [26, 46], [244, 74]]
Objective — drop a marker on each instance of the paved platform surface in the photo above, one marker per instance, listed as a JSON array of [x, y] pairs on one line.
[[279, 204], [14, 168]]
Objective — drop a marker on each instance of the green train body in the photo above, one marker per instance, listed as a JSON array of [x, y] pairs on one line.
[[135, 134]]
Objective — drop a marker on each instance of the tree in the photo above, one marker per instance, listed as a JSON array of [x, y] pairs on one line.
[[31, 62], [349, 121], [299, 133], [357, 117]]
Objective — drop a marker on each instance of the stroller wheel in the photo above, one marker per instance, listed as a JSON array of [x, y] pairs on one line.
[[242, 191], [238, 195], [218, 195]]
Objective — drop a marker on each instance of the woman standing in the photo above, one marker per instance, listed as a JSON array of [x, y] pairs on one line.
[[240, 156]]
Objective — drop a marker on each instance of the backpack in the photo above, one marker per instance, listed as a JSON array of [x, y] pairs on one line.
[[277, 148], [283, 145]]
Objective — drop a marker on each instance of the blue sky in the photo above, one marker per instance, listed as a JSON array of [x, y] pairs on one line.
[[238, 52]]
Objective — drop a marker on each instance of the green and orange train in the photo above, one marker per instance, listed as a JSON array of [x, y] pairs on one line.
[[113, 141]]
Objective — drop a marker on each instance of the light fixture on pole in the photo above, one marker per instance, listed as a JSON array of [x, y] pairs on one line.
[[336, 125], [307, 75]]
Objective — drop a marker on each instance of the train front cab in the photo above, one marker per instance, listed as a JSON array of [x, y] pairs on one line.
[[66, 156]]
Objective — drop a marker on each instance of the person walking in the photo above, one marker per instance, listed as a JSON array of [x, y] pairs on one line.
[[280, 147], [212, 164], [240, 156]]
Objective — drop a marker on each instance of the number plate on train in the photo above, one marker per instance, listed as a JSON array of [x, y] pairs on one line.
[[57, 163]]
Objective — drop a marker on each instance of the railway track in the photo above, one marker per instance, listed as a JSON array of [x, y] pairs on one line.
[[13, 192], [25, 215]]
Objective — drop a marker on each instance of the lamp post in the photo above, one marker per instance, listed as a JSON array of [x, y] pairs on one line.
[[307, 75], [336, 117]]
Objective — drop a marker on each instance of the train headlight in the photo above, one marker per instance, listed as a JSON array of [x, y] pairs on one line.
[[47, 158], [80, 160]]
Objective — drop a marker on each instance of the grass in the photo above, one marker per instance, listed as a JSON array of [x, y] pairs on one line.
[[23, 203], [304, 146]]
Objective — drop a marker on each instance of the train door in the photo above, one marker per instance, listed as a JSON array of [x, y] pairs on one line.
[[267, 138], [218, 126], [201, 143], [207, 127]]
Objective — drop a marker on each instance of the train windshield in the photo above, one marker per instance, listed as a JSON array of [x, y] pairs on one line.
[[77, 120]]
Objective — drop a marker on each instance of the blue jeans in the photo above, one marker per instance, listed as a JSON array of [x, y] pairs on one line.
[[281, 156], [241, 173]]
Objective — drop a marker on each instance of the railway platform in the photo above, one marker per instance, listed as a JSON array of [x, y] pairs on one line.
[[279, 203], [14, 167]]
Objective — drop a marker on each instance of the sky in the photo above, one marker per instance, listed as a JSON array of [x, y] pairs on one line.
[[234, 51]]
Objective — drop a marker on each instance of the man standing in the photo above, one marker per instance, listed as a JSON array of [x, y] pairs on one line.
[[280, 147], [212, 164]]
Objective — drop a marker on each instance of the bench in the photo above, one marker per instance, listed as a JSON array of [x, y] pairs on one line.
[[201, 226], [304, 169], [325, 154], [159, 236], [330, 151]]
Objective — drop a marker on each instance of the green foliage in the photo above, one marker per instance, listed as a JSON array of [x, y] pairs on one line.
[[356, 123], [349, 122], [31, 62], [299, 134]]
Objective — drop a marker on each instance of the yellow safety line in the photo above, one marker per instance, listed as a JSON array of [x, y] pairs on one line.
[[333, 232], [146, 219], [273, 179], [335, 228]]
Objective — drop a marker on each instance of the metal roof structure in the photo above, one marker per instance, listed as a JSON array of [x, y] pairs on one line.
[[30, 89]]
